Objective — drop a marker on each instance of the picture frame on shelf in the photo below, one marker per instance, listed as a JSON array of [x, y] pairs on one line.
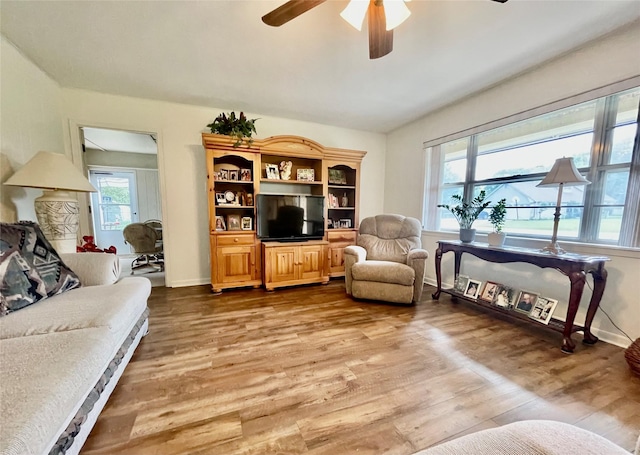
[[329, 223], [543, 309], [473, 289], [246, 223], [245, 175], [505, 297], [220, 224], [216, 175], [272, 172], [333, 201], [220, 199], [233, 174], [460, 285], [337, 177], [305, 175], [233, 223], [224, 174], [489, 291], [526, 301], [248, 199], [345, 223]]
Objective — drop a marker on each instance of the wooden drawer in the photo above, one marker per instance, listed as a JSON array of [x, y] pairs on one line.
[[341, 236], [238, 239]]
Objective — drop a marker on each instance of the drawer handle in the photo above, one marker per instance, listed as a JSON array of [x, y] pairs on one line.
[[236, 240]]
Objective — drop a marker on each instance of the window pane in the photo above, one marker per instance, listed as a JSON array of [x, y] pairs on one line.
[[535, 158], [628, 106], [455, 160], [447, 220], [622, 143], [610, 223], [114, 217]]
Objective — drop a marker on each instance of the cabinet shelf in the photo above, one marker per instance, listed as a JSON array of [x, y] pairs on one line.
[[290, 182], [342, 208], [231, 206], [241, 182], [341, 187]]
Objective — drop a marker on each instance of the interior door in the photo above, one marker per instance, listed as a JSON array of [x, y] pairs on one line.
[[113, 207]]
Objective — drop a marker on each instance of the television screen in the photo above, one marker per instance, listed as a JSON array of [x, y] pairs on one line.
[[290, 217]]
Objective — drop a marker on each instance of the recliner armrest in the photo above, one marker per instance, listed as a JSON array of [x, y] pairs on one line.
[[417, 254], [359, 253]]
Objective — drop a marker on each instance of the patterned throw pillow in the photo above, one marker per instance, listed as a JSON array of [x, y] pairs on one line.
[[30, 269]]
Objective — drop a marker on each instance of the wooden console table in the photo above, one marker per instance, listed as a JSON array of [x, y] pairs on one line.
[[574, 266]]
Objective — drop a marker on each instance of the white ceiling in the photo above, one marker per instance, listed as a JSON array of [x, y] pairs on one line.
[[316, 67]]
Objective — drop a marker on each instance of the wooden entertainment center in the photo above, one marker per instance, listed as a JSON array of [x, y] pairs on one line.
[[236, 175]]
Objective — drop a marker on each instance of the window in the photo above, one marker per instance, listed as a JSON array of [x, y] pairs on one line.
[[509, 161]]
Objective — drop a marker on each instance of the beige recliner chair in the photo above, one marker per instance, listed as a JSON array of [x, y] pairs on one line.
[[388, 262]]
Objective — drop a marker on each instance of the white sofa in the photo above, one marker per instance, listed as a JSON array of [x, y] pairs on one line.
[[61, 358]]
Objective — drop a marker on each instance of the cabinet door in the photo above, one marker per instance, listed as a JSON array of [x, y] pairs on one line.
[[236, 264], [282, 264], [336, 258], [311, 262]]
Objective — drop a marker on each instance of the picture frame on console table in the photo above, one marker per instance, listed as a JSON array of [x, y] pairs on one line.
[[473, 289], [489, 291], [505, 297], [526, 301], [543, 309], [460, 284]]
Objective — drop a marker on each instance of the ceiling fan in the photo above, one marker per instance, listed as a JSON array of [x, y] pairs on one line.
[[384, 16]]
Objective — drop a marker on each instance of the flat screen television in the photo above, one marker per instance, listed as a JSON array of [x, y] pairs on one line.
[[285, 217]]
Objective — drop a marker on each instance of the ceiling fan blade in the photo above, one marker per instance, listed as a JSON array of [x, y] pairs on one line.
[[500, 1], [288, 11], [380, 40]]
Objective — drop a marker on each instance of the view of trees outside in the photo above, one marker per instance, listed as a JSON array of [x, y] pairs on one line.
[[115, 200]]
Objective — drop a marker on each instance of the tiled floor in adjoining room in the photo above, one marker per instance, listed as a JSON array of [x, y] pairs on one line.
[[156, 278]]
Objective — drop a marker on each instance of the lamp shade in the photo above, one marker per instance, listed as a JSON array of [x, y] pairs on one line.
[[563, 172], [52, 171]]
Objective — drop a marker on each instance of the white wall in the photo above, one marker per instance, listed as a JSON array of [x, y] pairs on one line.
[[181, 163], [611, 59], [31, 120]]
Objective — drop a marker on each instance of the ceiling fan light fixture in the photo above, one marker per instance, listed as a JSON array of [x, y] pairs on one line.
[[355, 12], [396, 12]]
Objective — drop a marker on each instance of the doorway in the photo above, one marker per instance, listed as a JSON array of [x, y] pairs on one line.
[[114, 206]]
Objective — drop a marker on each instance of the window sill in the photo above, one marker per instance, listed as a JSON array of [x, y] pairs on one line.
[[526, 242]]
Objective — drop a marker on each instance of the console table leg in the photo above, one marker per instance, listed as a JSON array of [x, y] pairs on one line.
[[599, 282], [577, 285], [436, 295]]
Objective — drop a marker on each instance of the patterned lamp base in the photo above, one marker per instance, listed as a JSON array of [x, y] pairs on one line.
[[58, 216]]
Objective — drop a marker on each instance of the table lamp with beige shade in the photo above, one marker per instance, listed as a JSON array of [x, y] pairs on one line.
[[57, 210]]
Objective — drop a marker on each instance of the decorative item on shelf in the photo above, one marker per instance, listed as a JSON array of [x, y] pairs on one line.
[[497, 220], [248, 199], [220, 224], [271, 171], [563, 173], [543, 309], [526, 300], [245, 175], [345, 200], [466, 213], [57, 210], [233, 174], [224, 174], [220, 199], [333, 201], [473, 289], [305, 175], [240, 127], [247, 223], [233, 223], [460, 284], [230, 198], [505, 297], [489, 291], [285, 170], [337, 177]]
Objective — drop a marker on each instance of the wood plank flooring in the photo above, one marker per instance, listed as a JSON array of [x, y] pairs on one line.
[[308, 370]]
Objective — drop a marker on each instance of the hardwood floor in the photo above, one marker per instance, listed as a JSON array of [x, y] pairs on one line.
[[310, 371]]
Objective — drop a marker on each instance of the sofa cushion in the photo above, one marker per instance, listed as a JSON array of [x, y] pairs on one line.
[[45, 379], [115, 307], [30, 268], [383, 272]]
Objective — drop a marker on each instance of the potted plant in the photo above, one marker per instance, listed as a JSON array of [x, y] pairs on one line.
[[239, 127], [466, 213], [497, 219]]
